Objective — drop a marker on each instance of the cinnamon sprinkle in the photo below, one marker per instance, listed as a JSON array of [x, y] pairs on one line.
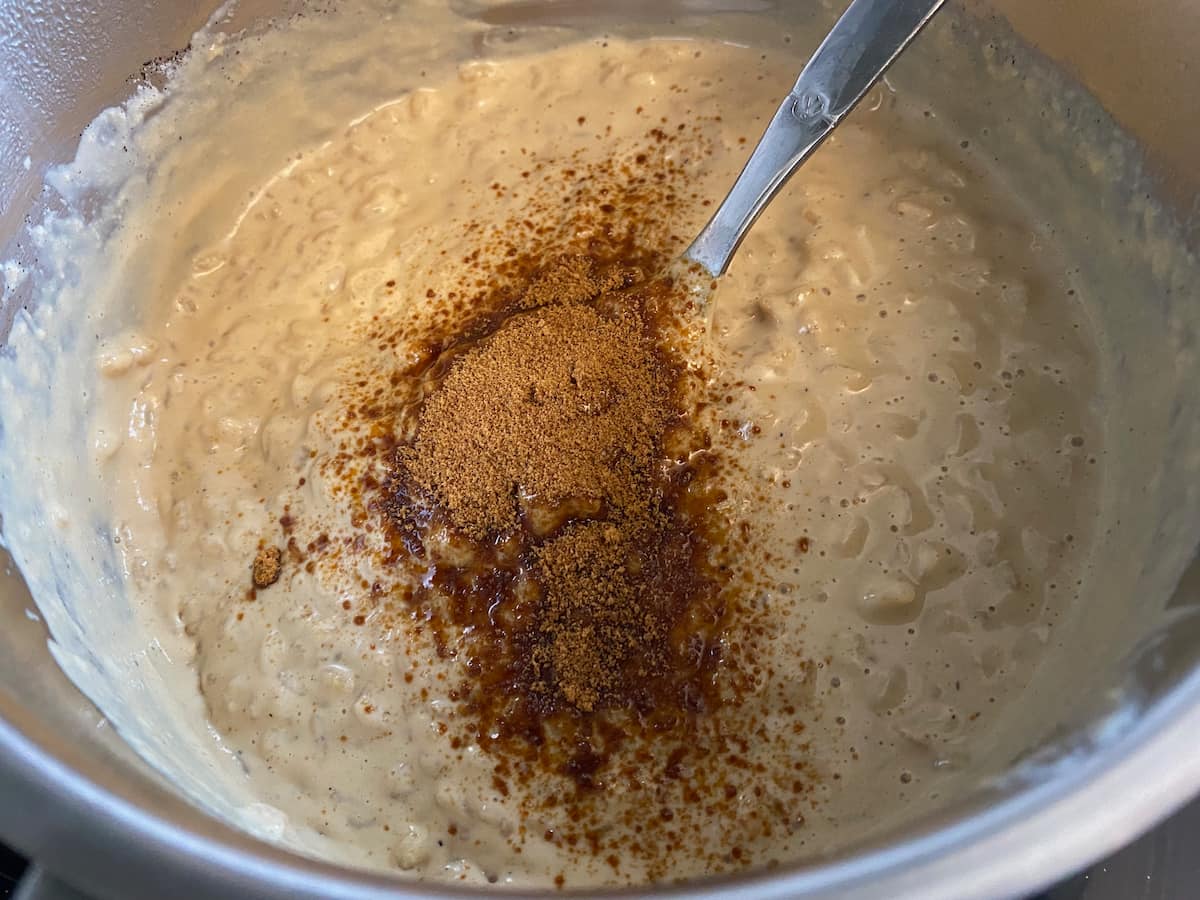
[[533, 485]]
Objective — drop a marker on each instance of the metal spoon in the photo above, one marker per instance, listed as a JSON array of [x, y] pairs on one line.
[[864, 42]]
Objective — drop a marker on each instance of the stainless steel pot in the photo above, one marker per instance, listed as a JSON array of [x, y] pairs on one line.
[[75, 798]]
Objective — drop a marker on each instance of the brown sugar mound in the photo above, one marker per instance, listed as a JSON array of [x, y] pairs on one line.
[[573, 279], [599, 631], [560, 407], [541, 443]]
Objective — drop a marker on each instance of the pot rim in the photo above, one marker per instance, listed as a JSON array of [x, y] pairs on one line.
[[1036, 834]]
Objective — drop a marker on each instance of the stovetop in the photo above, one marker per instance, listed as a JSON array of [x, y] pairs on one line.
[[1162, 865]]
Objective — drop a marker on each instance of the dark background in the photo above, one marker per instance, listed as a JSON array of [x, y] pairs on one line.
[[11, 867]]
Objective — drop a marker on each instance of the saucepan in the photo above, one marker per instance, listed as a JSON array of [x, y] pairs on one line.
[[1125, 751]]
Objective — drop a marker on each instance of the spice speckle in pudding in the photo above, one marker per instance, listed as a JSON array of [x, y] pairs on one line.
[[563, 573]]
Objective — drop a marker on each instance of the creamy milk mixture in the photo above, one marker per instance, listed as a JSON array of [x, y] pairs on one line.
[[915, 450]]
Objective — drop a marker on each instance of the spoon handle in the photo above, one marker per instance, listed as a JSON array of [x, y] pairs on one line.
[[863, 43]]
